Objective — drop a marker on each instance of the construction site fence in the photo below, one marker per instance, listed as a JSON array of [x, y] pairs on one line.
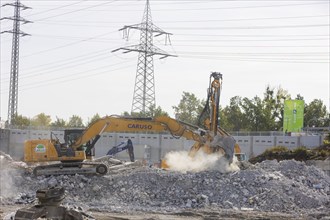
[[154, 146]]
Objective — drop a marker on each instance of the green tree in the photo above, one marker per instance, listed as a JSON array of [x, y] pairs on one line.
[[93, 119], [41, 120], [75, 122], [21, 121], [315, 114], [126, 114], [273, 108], [189, 108], [59, 123], [299, 97], [264, 114], [155, 112], [231, 117], [151, 112], [253, 113]]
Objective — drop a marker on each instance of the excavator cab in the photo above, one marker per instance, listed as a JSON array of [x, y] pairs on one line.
[[71, 135]]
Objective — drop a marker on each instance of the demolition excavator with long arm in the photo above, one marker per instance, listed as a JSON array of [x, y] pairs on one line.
[[73, 155]]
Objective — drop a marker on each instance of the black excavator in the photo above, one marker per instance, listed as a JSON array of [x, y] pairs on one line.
[[127, 145]]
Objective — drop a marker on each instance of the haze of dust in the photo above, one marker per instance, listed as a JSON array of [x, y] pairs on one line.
[[7, 188], [182, 162]]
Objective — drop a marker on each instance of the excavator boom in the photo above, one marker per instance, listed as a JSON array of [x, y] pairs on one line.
[[211, 139]]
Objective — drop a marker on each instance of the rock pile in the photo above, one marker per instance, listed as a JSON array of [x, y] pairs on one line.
[[286, 186]]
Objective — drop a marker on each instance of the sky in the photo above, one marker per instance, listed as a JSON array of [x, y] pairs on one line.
[[66, 66]]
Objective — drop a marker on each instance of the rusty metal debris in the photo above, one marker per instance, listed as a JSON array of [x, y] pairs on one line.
[[49, 207]]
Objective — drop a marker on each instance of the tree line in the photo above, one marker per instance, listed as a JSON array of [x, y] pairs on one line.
[[242, 114]]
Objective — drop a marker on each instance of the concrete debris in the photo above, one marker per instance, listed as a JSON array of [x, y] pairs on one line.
[[287, 186], [9, 161]]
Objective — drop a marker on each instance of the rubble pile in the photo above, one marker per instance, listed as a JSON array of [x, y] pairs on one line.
[[7, 161], [286, 186]]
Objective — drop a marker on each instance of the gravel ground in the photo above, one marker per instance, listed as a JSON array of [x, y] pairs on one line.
[[267, 190]]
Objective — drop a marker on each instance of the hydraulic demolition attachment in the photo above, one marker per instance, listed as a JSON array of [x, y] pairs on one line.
[[121, 147], [49, 207]]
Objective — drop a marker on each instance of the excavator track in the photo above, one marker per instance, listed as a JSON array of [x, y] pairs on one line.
[[71, 168]]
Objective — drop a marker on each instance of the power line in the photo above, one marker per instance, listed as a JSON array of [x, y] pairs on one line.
[[259, 40], [252, 60], [63, 46], [77, 10], [212, 8], [203, 40], [78, 75], [77, 78], [56, 8], [250, 27], [248, 46], [60, 66], [253, 35], [78, 23]]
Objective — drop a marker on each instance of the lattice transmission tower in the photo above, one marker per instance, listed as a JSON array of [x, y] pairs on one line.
[[144, 89], [13, 87]]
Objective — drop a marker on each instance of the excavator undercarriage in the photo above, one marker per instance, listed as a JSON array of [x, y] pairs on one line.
[[71, 168]]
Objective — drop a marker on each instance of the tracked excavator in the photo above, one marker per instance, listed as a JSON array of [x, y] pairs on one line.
[[74, 155]]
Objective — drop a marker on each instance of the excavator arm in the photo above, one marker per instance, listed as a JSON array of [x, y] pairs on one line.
[[128, 145], [124, 124], [211, 139], [181, 129], [115, 124]]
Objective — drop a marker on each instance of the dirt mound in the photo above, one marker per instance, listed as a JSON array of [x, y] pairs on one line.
[[280, 153]]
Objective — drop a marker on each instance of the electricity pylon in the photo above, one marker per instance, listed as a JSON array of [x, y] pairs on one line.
[[144, 89], [13, 88]]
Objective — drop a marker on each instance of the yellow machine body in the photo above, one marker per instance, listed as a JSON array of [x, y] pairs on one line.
[[44, 150]]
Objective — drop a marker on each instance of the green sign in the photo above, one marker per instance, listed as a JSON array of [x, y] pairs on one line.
[[293, 120], [40, 148]]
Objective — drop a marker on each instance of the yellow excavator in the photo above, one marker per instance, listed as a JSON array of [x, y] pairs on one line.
[[75, 153]]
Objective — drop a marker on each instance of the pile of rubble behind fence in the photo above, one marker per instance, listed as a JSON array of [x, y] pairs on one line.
[[286, 186]]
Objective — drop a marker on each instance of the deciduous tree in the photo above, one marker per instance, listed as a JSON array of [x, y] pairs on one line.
[[189, 108], [59, 123], [75, 121], [42, 120], [316, 114], [21, 121]]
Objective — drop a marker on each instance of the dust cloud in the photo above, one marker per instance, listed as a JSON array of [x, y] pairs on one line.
[[7, 183], [182, 162]]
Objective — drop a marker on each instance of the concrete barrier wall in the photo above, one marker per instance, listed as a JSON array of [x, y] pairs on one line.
[[289, 142], [4, 140], [16, 142], [261, 143], [311, 141], [246, 145], [151, 146]]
